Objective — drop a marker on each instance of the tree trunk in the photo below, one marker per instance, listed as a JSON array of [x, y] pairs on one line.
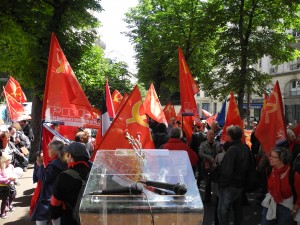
[[36, 124]]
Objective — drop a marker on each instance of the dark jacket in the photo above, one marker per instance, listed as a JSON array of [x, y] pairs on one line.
[[196, 139], [65, 192], [159, 139], [234, 166], [208, 151], [47, 176]]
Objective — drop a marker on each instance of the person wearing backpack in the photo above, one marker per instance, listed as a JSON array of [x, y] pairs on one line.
[[278, 203], [68, 184]]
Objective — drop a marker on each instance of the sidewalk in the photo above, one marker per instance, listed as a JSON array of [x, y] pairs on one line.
[[24, 192]]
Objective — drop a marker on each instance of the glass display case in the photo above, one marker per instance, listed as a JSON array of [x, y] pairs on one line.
[[122, 189]]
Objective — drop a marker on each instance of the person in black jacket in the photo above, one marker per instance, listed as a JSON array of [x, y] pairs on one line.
[[67, 185], [232, 179], [47, 175]]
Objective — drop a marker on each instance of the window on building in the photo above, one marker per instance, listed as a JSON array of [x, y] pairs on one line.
[[295, 87]]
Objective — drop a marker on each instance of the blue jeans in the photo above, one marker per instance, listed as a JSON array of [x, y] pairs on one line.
[[283, 216], [230, 198]]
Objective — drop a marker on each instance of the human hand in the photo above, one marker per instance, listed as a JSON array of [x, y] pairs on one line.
[[39, 161]]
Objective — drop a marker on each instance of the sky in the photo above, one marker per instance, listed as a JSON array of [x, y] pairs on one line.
[[118, 46]]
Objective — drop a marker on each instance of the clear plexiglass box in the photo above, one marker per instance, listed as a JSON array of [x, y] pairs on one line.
[[115, 169]]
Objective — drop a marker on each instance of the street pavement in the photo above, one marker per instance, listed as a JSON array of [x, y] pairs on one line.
[[26, 188], [20, 216], [252, 211]]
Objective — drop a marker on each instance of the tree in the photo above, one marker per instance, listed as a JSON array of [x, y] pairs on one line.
[[248, 30], [92, 71], [26, 48], [157, 29]]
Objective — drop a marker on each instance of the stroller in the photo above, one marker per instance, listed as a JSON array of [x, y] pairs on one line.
[[18, 159]]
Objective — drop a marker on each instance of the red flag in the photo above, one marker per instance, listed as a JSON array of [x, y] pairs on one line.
[[116, 99], [35, 197], [15, 109], [64, 99], [153, 107], [169, 111], [188, 88], [14, 89], [131, 118], [206, 113], [265, 102], [211, 119], [124, 99], [271, 129], [47, 136], [187, 125], [109, 103], [232, 118]]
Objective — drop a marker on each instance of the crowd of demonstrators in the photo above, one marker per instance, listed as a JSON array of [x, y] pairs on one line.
[[208, 152], [68, 184], [47, 175]]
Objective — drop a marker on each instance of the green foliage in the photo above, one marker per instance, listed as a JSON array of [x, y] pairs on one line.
[[94, 68], [221, 41], [248, 31], [158, 28]]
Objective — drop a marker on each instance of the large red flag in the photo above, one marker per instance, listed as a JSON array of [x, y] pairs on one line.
[[188, 88], [124, 99], [153, 107], [64, 99], [15, 109], [109, 103], [232, 118], [116, 99], [169, 111], [271, 129], [14, 89], [46, 139], [131, 119]]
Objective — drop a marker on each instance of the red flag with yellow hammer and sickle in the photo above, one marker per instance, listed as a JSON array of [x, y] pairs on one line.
[[131, 119], [13, 88], [271, 129], [116, 99]]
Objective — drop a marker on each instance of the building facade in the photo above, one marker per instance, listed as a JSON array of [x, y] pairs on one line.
[[288, 76]]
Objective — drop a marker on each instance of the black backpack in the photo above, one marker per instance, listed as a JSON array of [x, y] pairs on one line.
[[75, 210]]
